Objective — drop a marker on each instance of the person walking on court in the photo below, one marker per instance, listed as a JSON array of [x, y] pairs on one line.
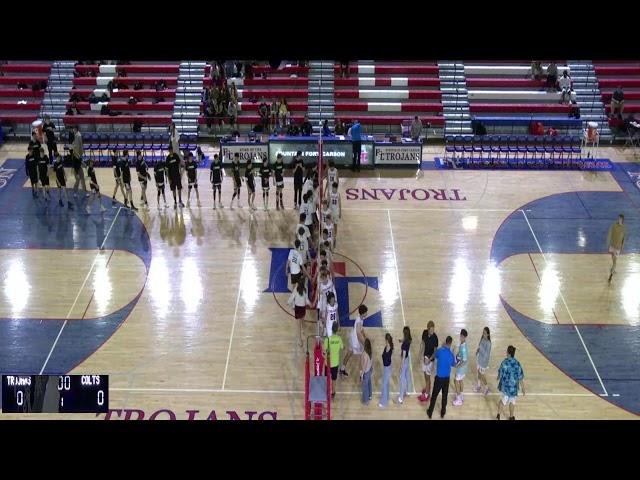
[[510, 375], [31, 167], [428, 354], [445, 360], [356, 139], [77, 152], [298, 179], [482, 361], [299, 299], [406, 385], [462, 364], [333, 346], [95, 189], [615, 240], [366, 369], [357, 337], [386, 376]]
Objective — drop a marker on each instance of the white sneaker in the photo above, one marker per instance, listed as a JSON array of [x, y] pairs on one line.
[[102, 209], [88, 211], [400, 401]]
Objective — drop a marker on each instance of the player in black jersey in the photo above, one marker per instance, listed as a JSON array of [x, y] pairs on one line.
[[251, 184], [298, 179], [95, 189], [43, 174], [265, 175], [143, 175], [117, 176], [278, 175], [61, 180], [192, 177], [237, 180], [215, 177], [175, 176], [31, 168], [159, 174], [125, 168]]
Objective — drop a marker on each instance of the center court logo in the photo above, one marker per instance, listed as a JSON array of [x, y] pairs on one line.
[[6, 174], [168, 414], [279, 283]]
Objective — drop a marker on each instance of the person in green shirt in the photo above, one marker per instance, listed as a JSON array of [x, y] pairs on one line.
[[333, 345], [615, 240]]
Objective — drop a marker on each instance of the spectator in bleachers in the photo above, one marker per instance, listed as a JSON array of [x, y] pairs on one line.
[[552, 76], [306, 128], [339, 130], [536, 70], [275, 108], [233, 92], [344, 68], [326, 131], [232, 113], [209, 113], [283, 112], [215, 73], [218, 112], [263, 111], [226, 96], [617, 101], [574, 110], [565, 87], [292, 129], [416, 129]]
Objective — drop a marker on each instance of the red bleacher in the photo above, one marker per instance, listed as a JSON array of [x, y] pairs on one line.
[[129, 69], [129, 81], [623, 74], [145, 111], [117, 120], [391, 69], [413, 94], [519, 107], [21, 105], [125, 106]]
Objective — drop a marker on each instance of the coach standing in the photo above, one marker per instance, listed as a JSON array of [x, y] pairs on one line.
[[444, 361], [356, 138]]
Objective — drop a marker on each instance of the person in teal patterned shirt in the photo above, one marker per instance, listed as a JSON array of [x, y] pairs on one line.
[[510, 375]]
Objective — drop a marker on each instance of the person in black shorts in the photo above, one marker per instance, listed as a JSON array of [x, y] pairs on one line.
[[192, 177], [49, 128], [298, 179], [159, 174], [175, 176], [215, 177], [143, 175], [278, 172], [43, 174], [117, 176], [61, 180], [125, 169], [265, 175], [251, 184], [237, 180], [95, 189], [31, 168]]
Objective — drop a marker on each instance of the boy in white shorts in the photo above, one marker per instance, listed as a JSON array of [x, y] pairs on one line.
[[510, 375], [357, 337], [461, 369]]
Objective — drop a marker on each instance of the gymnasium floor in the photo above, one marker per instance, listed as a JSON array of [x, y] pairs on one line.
[[179, 307]]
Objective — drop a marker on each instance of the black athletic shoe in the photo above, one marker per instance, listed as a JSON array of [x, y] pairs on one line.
[[333, 395], [498, 417], [429, 414], [60, 203], [344, 372], [133, 207], [113, 202], [610, 277], [512, 418]]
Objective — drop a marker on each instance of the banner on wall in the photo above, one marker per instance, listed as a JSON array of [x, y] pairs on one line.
[[398, 154], [341, 152], [246, 150]]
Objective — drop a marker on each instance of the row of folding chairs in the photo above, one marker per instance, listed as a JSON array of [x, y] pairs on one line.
[[98, 146], [513, 146], [521, 163]]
